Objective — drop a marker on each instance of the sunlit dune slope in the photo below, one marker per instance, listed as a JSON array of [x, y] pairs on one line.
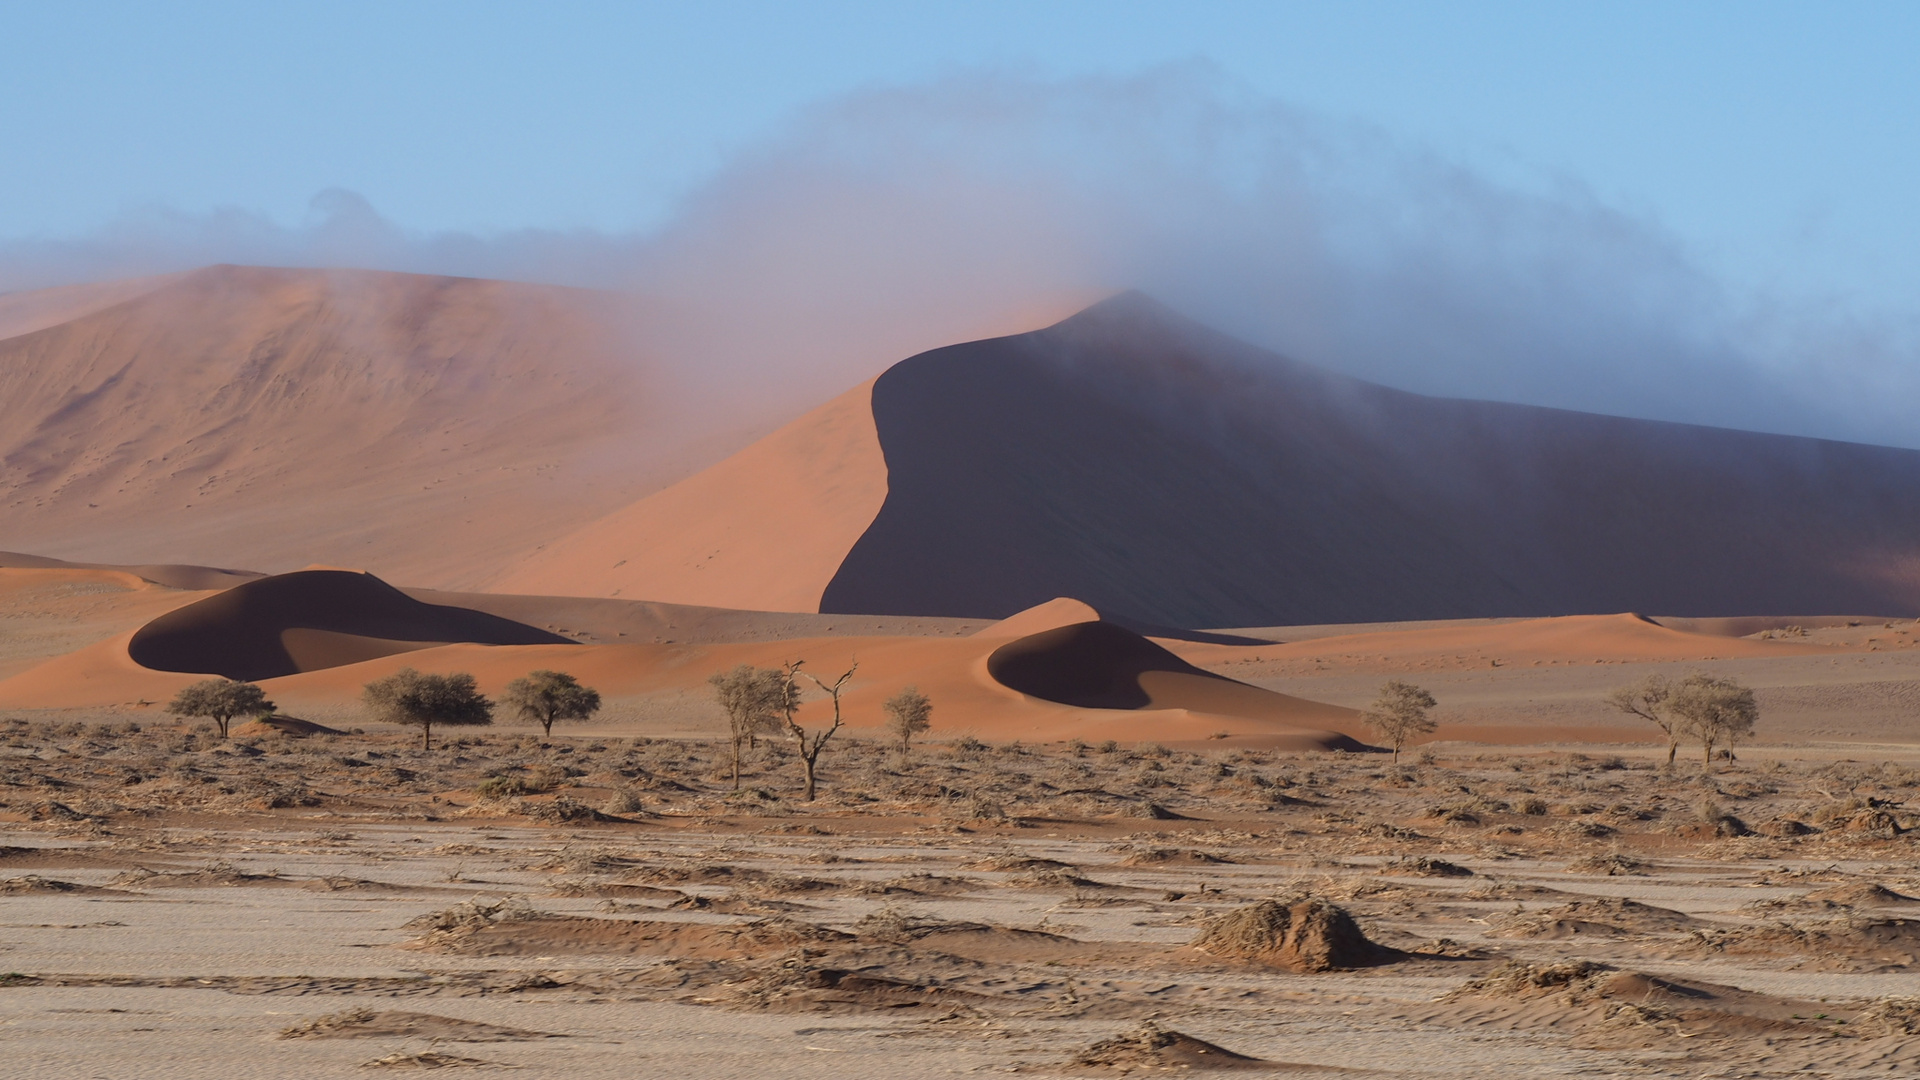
[[1573, 639], [763, 530], [51, 611], [308, 621], [1167, 473], [432, 427]]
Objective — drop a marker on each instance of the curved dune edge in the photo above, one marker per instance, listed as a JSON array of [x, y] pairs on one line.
[[307, 620], [764, 530], [1052, 615], [950, 670]]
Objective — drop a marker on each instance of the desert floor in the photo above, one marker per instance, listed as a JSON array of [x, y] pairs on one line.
[[175, 905]]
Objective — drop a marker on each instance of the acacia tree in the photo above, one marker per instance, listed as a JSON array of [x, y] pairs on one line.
[[220, 700], [811, 745], [1400, 713], [756, 700], [1649, 699], [909, 713], [1713, 710], [545, 696], [408, 697]]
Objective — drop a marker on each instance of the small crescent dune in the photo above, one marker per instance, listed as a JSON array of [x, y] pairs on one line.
[[1054, 672]]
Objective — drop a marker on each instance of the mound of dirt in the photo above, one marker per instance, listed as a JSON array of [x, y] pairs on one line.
[[1862, 894], [53, 858], [426, 1059], [971, 941], [1155, 1049], [217, 874], [1307, 935], [1612, 865], [1427, 866], [1889, 1016], [1625, 1007], [285, 725], [308, 621], [32, 884], [1172, 857], [374, 1024], [616, 890], [508, 929], [1845, 943], [1603, 916]]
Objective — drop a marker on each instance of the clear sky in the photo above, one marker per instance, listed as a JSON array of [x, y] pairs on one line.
[[1781, 141]]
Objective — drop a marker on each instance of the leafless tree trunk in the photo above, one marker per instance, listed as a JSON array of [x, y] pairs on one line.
[[811, 745]]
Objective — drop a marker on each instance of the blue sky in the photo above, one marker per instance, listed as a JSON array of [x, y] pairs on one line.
[[1782, 140], [1700, 211]]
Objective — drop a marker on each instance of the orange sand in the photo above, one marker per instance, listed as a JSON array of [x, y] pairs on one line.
[[764, 530], [1569, 639]]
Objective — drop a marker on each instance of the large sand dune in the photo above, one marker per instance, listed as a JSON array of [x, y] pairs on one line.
[[1174, 477], [273, 418], [1161, 471]]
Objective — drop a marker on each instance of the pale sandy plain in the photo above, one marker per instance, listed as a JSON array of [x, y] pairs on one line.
[[180, 905]]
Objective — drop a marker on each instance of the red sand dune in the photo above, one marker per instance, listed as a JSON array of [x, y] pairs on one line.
[[308, 621], [435, 427], [763, 530]]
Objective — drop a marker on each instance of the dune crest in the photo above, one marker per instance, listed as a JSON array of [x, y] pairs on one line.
[[1055, 613]]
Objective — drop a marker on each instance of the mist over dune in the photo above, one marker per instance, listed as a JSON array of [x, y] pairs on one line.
[[1167, 473], [897, 219], [1155, 468]]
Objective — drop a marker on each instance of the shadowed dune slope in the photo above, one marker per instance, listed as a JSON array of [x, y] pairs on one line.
[[1094, 665], [1097, 665], [308, 621], [1167, 473], [271, 418]]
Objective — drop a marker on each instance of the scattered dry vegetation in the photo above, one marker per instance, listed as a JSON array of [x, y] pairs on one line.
[[1026, 890]]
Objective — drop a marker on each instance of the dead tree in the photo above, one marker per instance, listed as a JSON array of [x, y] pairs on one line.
[[810, 746]]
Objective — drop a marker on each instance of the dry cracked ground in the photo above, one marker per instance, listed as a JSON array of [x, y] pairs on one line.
[[174, 905]]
